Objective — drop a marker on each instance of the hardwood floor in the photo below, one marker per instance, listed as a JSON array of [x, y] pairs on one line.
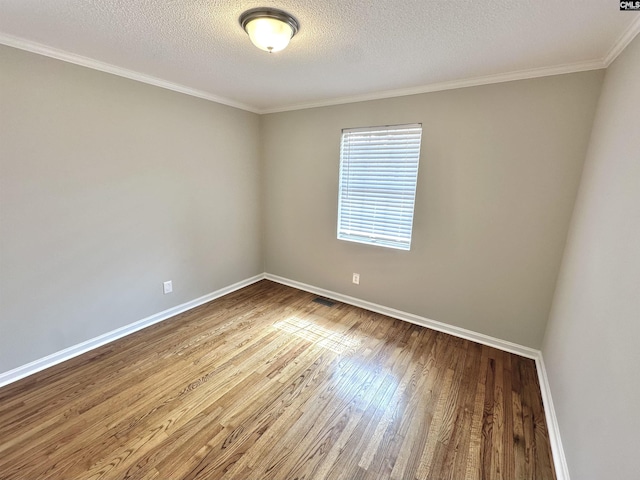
[[267, 384]]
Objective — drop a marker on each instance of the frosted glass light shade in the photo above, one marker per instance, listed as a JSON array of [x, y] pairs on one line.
[[269, 29], [269, 34]]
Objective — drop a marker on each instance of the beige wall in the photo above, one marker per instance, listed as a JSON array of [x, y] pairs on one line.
[[107, 188], [591, 346], [499, 170]]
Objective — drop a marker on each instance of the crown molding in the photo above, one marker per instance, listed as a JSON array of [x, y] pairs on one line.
[[449, 85], [625, 39], [34, 47]]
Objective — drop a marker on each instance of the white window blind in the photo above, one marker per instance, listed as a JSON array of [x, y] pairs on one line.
[[378, 177]]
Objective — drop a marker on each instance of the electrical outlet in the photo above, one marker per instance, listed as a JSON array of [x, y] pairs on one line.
[[167, 287], [356, 278]]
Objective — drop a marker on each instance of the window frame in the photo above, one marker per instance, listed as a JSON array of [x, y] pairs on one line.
[[397, 210]]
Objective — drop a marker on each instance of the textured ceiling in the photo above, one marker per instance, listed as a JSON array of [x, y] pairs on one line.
[[345, 48]]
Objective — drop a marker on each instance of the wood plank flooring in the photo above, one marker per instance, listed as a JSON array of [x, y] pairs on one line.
[[264, 383]]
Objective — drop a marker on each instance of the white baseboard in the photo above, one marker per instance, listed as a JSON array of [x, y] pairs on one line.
[[75, 350], [411, 318], [559, 460], [562, 472]]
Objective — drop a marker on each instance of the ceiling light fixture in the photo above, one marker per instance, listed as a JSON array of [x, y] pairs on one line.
[[269, 29]]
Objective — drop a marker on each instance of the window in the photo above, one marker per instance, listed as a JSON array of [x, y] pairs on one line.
[[378, 176]]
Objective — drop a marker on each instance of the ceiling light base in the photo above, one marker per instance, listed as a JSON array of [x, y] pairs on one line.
[[269, 29]]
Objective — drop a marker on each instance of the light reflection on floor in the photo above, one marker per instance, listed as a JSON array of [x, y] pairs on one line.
[[321, 336]]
